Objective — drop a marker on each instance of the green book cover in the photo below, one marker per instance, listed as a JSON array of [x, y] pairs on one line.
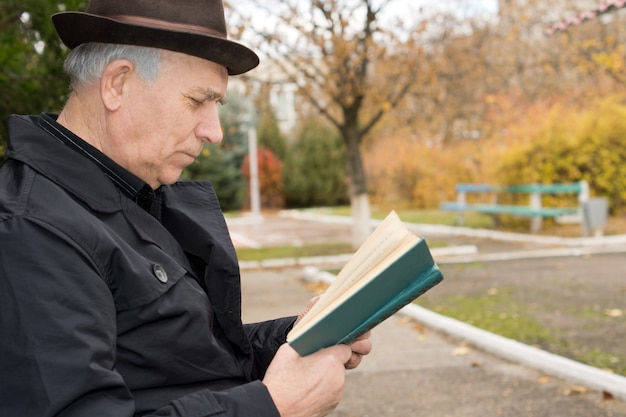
[[402, 271]]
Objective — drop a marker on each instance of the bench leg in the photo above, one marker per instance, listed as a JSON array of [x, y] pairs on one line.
[[536, 222], [496, 221], [460, 199]]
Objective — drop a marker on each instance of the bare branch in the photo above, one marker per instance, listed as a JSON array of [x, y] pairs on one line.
[[10, 20]]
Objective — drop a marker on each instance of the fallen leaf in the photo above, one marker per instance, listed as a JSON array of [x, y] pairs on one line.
[[404, 320], [575, 390], [607, 396], [614, 312], [544, 379], [419, 327], [461, 351]]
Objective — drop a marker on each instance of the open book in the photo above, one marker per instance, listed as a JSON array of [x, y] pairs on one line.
[[392, 268]]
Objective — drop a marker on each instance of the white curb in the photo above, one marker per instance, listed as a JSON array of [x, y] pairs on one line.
[[442, 230]]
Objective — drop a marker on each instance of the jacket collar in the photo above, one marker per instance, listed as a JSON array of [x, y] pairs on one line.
[[30, 144]]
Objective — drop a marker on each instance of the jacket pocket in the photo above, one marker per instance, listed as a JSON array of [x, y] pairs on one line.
[[138, 278]]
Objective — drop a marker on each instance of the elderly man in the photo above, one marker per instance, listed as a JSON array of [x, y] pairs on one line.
[[119, 286]]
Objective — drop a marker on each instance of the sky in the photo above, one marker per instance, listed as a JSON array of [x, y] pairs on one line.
[[469, 7], [464, 7], [399, 14]]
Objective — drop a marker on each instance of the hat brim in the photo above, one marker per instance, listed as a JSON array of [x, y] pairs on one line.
[[75, 28]]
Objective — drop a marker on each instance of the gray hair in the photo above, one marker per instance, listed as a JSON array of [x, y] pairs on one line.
[[85, 63]]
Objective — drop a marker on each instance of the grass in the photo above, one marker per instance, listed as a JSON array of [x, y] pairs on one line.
[[615, 224], [475, 220], [498, 312], [278, 252], [603, 360]]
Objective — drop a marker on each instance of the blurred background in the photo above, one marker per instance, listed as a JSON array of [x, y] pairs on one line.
[[388, 103]]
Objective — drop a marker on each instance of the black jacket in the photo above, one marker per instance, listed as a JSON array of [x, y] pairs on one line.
[[105, 311]]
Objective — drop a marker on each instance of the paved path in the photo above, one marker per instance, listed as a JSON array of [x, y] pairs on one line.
[[414, 371]]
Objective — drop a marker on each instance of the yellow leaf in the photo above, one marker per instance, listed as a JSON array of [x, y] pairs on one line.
[[576, 390], [461, 351], [544, 379]]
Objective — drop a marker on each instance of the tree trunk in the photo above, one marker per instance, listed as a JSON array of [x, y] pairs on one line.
[[359, 198], [361, 217]]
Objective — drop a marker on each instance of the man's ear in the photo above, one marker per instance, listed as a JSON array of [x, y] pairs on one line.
[[113, 83]]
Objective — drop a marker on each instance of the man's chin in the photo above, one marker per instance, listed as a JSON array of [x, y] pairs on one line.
[[170, 178]]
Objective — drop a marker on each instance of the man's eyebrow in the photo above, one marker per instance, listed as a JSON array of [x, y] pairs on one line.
[[200, 96], [206, 94]]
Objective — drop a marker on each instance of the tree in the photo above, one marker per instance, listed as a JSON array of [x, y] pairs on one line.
[[268, 131], [349, 67], [574, 143], [270, 177], [315, 171], [31, 59], [222, 168]]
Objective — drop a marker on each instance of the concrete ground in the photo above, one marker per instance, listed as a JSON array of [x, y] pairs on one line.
[[414, 371]]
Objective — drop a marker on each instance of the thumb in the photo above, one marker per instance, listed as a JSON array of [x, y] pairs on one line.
[[308, 307]]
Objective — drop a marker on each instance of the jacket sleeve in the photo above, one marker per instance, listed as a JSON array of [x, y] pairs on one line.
[[266, 337], [58, 345]]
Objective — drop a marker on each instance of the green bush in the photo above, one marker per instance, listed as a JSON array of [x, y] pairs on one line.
[[315, 169], [222, 169]]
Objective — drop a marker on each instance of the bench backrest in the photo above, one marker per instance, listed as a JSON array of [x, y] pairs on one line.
[[574, 188]]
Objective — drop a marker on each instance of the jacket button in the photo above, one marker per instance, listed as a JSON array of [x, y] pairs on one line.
[[159, 273]]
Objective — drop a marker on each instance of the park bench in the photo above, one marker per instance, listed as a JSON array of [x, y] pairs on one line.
[[534, 209]]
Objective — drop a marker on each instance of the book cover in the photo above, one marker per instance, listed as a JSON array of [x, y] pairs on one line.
[[403, 272]]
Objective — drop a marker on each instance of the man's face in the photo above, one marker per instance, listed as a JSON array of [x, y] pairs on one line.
[[166, 122]]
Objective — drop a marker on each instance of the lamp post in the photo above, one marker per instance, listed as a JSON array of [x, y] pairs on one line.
[[255, 192]]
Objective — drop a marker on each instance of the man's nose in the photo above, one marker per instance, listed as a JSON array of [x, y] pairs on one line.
[[209, 128]]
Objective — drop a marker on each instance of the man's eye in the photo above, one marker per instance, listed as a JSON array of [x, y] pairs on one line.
[[199, 102], [196, 102]]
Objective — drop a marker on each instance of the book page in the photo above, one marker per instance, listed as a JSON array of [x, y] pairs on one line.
[[380, 243], [312, 316], [387, 238]]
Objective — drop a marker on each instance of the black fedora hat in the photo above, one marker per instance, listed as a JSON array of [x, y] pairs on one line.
[[193, 27]]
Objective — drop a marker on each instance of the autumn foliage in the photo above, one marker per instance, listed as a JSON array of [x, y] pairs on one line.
[[573, 143], [270, 178], [554, 141]]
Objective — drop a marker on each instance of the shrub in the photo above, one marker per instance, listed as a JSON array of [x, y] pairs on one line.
[[270, 178], [576, 144], [315, 171], [222, 169]]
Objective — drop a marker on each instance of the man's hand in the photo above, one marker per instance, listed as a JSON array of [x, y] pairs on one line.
[[312, 386], [307, 308], [309, 386], [360, 347]]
